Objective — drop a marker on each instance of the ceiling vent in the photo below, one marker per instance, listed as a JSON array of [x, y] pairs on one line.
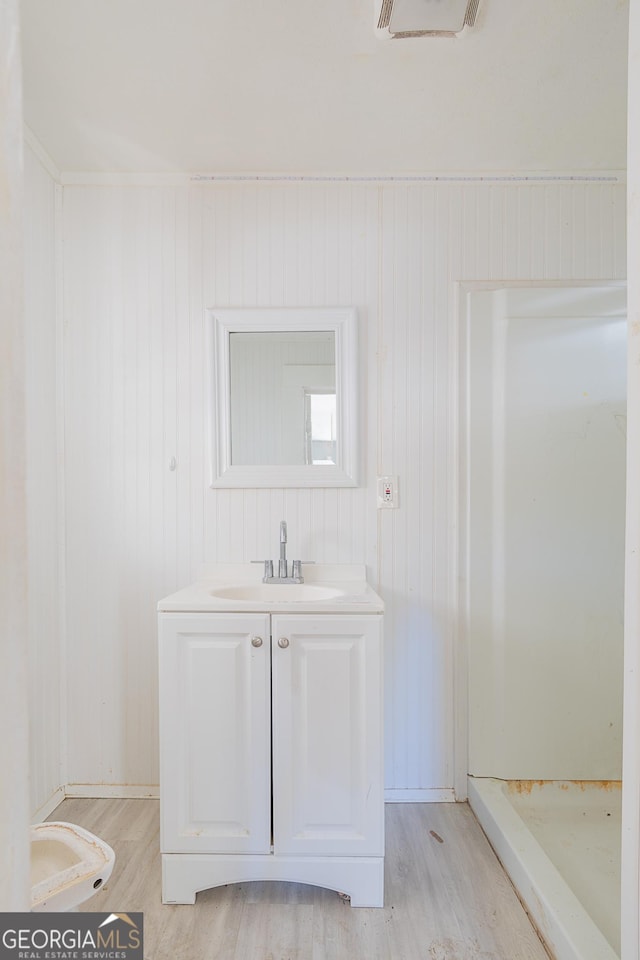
[[424, 18]]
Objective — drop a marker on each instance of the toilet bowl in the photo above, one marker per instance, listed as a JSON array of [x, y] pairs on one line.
[[68, 865]]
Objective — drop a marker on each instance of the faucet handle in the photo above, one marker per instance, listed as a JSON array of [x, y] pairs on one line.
[[268, 568], [296, 572]]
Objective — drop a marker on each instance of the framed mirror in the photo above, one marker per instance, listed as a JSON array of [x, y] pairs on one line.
[[283, 397]]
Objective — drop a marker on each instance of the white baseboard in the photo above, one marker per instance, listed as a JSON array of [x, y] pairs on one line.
[[141, 791], [95, 791], [47, 808], [428, 795], [117, 791]]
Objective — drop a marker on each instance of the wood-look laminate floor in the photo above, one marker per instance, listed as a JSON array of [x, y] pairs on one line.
[[446, 896]]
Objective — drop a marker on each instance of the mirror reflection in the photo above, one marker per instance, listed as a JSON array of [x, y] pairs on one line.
[[283, 399]]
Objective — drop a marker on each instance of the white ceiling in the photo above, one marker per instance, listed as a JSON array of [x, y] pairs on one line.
[[295, 86]]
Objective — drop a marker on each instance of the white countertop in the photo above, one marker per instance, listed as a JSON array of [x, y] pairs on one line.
[[356, 596]]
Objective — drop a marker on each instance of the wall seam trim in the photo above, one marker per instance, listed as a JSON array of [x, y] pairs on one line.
[[604, 177], [32, 141], [61, 481], [185, 178]]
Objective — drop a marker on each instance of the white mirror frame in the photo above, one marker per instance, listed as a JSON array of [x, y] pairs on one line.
[[223, 322]]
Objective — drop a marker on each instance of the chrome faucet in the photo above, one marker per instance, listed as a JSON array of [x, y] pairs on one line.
[[283, 565]]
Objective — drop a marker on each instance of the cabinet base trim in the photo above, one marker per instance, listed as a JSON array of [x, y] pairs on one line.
[[184, 875]]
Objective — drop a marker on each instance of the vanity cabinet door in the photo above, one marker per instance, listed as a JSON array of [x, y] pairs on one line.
[[327, 735], [215, 747]]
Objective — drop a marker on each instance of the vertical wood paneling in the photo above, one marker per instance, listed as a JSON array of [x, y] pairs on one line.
[[519, 233], [42, 451], [141, 266], [115, 480], [14, 494]]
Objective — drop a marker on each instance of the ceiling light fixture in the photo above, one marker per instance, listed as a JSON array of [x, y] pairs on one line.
[[424, 18]]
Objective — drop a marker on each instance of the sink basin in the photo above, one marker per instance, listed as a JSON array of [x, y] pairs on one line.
[[274, 592]]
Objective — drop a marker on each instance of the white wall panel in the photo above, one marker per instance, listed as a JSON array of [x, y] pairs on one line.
[[466, 232], [14, 681], [43, 466], [141, 266]]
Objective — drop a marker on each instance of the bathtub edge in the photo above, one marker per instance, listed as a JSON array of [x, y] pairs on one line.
[[560, 919]]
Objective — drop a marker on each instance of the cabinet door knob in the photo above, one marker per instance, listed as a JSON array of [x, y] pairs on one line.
[[283, 642], [256, 641]]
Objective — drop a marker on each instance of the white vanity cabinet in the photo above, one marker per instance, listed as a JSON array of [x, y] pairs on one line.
[[271, 751]]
